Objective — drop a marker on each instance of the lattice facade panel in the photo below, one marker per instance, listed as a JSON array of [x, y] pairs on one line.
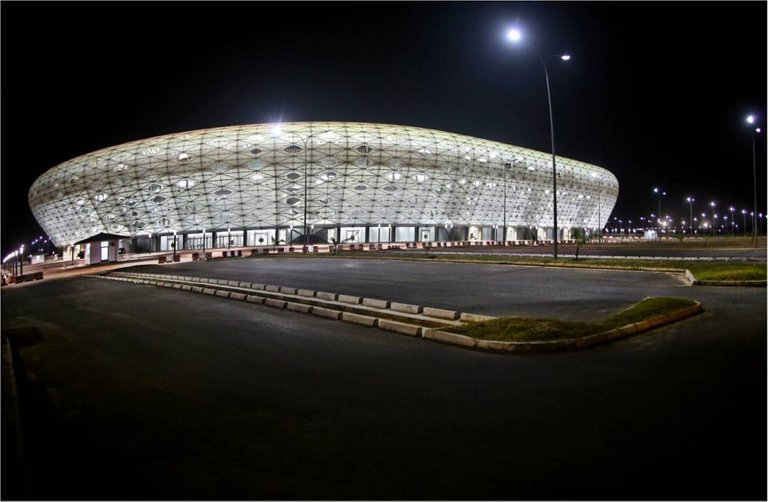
[[338, 174]]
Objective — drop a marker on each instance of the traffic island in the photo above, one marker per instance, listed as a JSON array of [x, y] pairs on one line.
[[530, 335]]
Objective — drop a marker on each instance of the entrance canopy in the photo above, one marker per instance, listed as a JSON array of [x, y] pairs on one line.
[[100, 237]]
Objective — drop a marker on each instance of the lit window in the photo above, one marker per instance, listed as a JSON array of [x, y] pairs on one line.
[[292, 149]]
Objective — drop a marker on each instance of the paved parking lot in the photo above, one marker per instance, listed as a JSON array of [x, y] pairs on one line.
[[131, 391]]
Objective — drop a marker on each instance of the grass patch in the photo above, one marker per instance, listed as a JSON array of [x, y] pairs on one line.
[[532, 329], [728, 271]]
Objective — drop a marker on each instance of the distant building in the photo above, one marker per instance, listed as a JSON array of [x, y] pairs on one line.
[[259, 184]]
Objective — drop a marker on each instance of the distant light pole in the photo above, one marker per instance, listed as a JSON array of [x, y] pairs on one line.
[[660, 193], [732, 220], [516, 36], [21, 262], [690, 205], [507, 166], [713, 218], [751, 120], [744, 221]]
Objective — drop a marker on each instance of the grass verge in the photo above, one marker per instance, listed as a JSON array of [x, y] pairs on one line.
[[532, 329]]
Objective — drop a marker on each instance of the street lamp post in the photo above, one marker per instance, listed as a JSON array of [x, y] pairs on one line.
[[732, 220], [657, 191], [504, 232], [751, 120], [516, 36], [744, 221], [690, 205], [277, 132], [713, 218]]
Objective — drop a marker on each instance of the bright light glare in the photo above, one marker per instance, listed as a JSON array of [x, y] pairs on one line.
[[514, 35], [565, 57], [751, 119], [757, 130]]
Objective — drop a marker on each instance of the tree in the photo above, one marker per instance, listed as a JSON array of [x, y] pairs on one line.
[[580, 236]]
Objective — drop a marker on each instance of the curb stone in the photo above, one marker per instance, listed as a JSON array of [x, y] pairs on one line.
[[568, 344]]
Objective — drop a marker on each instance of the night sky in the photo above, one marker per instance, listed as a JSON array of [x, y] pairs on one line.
[[655, 92]]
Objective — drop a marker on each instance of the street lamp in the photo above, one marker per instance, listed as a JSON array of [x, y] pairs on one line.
[[516, 36], [277, 132], [507, 166], [657, 191], [713, 218], [690, 205], [751, 120], [744, 221], [732, 220]]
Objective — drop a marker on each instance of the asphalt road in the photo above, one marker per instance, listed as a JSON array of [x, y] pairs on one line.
[[132, 391]]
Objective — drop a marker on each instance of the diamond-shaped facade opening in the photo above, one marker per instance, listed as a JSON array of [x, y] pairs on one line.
[[328, 176], [152, 150], [183, 157], [256, 151], [293, 149], [154, 187], [393, 176], [292, 201], [361, 188], [185, 183], [223, 192], [364, 149], [157, 199], [390, 188], [329, 162], [293, 176]]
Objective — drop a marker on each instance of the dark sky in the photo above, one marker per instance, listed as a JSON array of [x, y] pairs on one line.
[[656, 92]]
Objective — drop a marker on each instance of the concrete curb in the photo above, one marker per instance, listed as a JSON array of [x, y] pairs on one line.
[[569, 344]]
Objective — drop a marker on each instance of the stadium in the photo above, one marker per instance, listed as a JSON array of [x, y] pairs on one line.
[[317, 182]]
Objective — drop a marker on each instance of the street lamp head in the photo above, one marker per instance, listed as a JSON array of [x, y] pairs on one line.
[[655, 190], [514, 35], [750, 119], [712, 204], [757, 130], [565, 57]]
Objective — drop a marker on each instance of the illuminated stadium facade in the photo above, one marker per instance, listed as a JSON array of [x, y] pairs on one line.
[[262, 184]]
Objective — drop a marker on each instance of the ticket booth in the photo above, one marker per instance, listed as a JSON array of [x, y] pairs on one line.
[[102, 247]]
